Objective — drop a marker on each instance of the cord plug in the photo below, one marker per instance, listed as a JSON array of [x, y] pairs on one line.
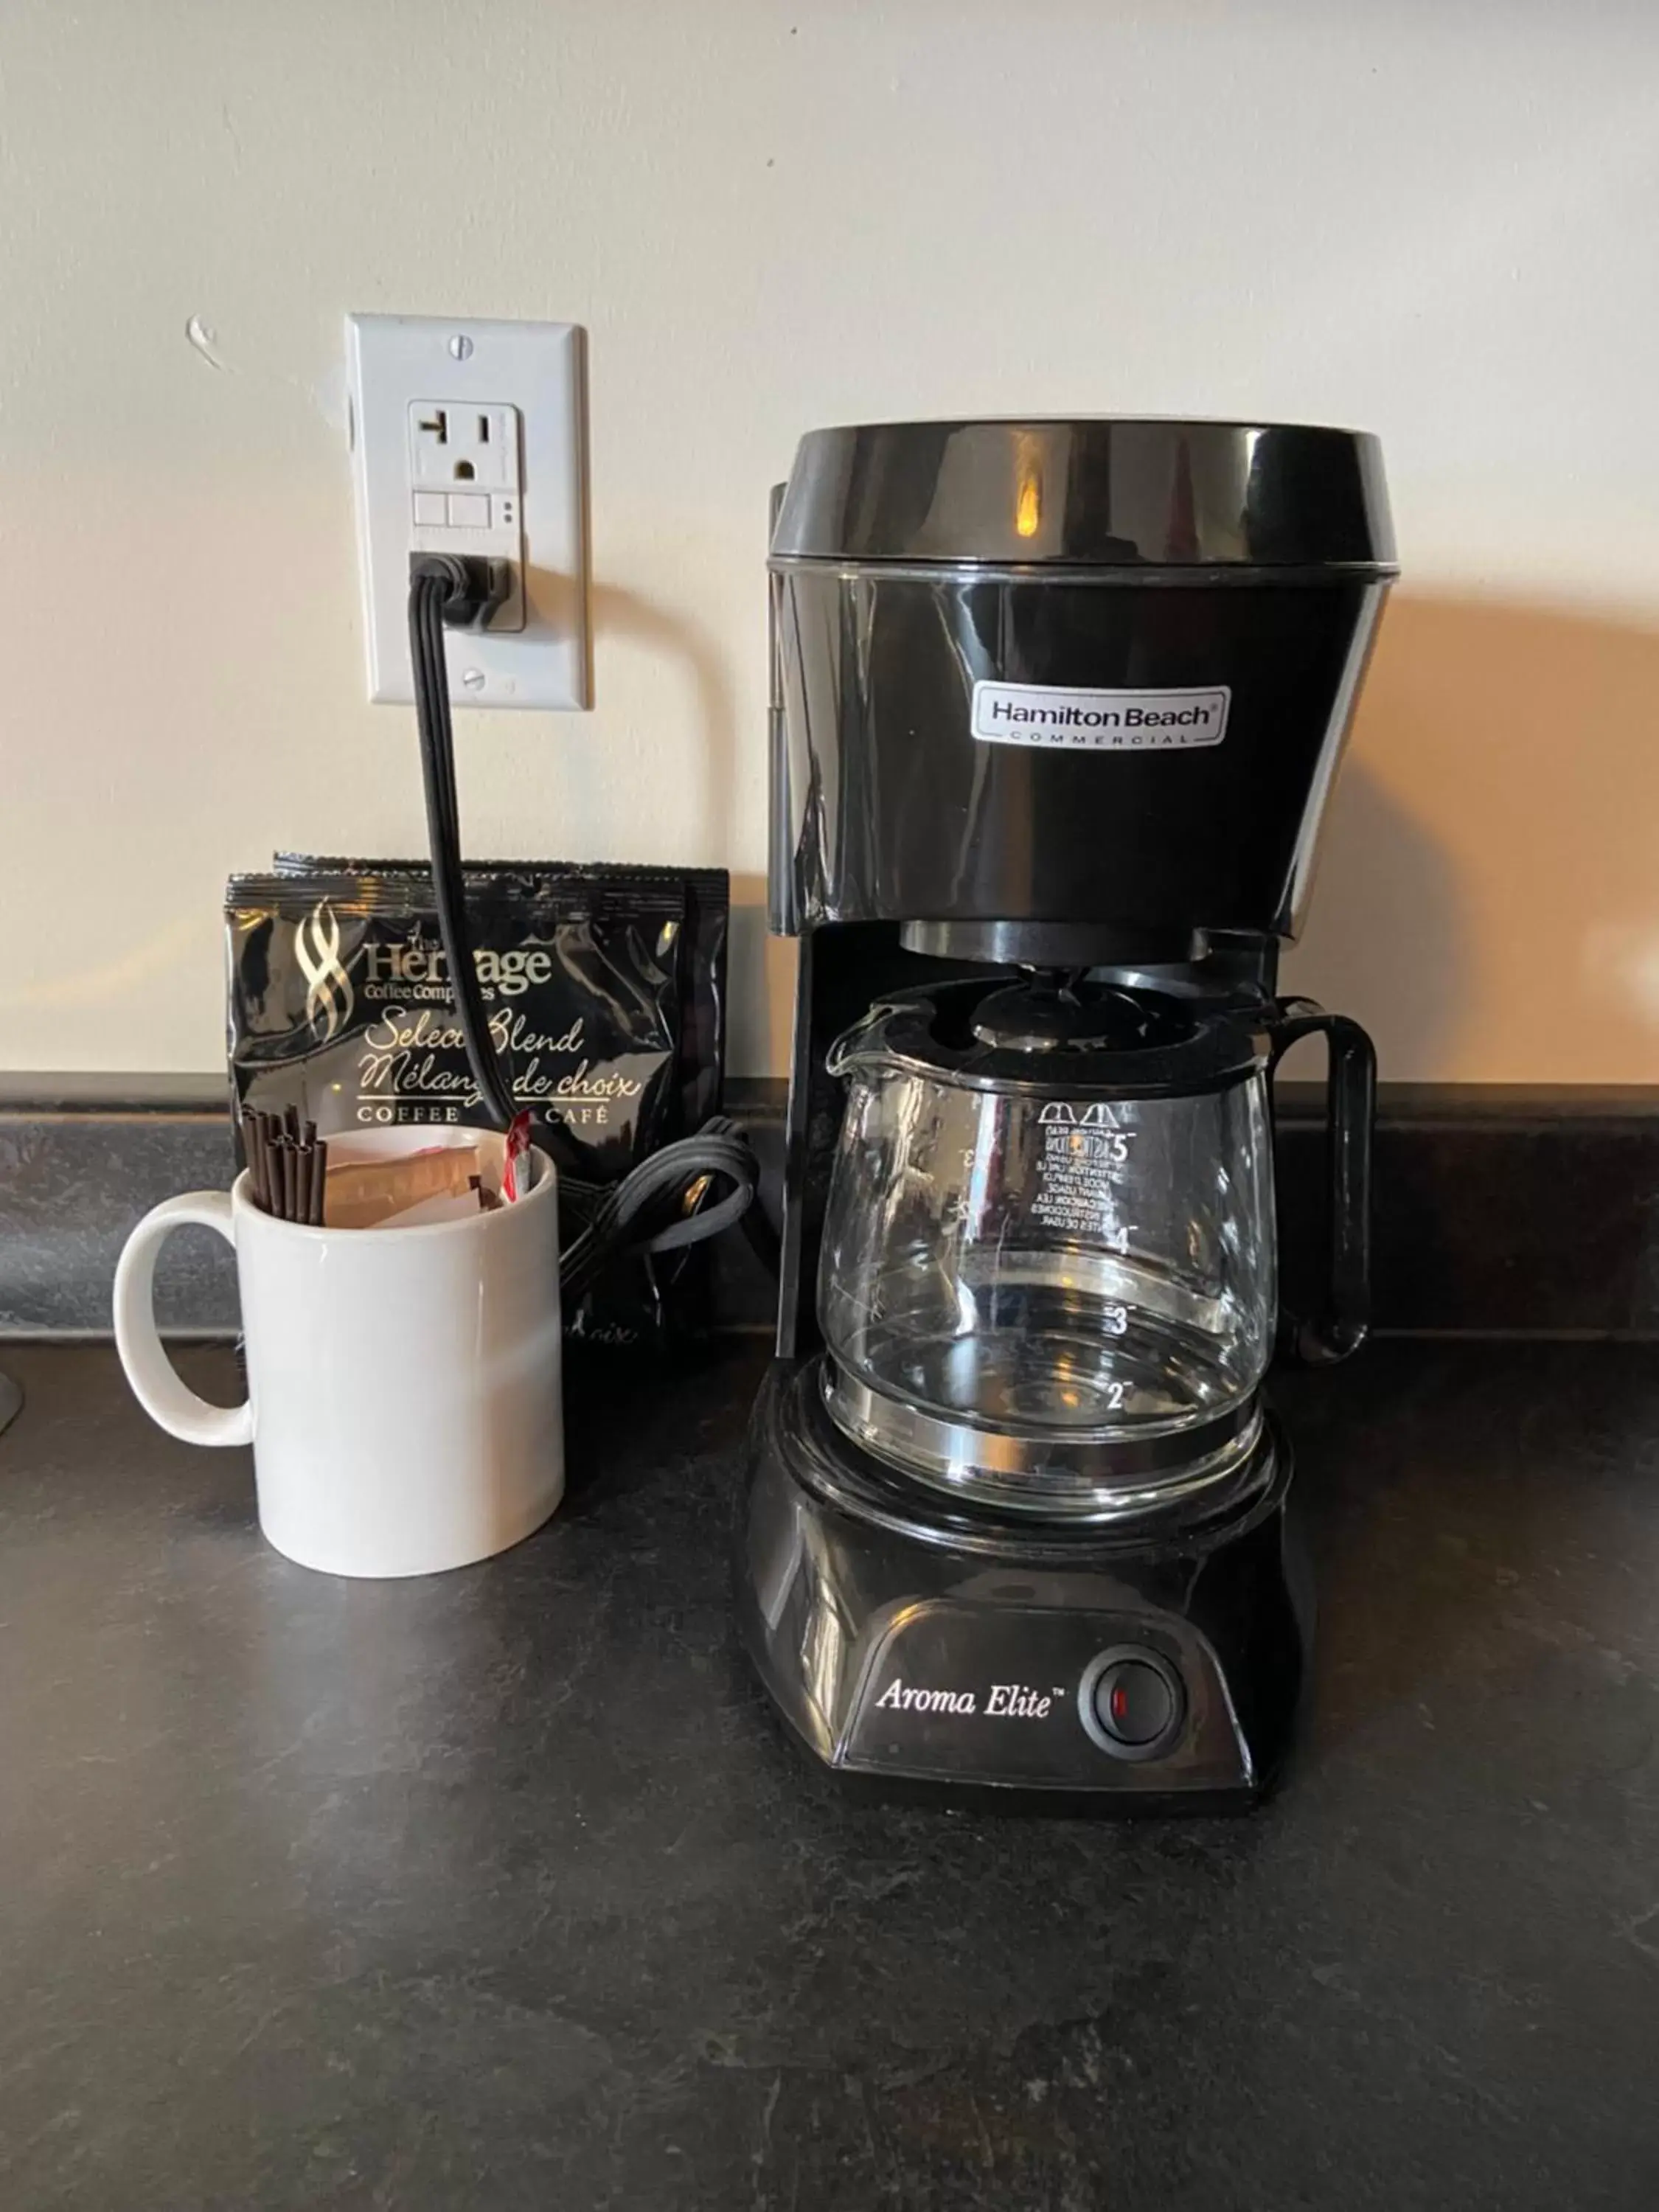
[[476, 586]]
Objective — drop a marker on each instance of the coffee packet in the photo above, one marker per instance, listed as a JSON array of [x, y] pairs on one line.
[[605, 987]]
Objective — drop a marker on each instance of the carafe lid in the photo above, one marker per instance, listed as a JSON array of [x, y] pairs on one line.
[[1037, 1036], [1094, 492], [1051, 1014]]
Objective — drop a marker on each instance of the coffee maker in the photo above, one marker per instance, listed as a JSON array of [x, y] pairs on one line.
[[1056, 708]]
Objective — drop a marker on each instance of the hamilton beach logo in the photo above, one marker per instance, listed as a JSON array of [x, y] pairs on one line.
[[330, 998], [1062, 718]]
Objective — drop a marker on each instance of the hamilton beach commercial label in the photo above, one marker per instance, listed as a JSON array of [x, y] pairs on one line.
[[1058, 719]]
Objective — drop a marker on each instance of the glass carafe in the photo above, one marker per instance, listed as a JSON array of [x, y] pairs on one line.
[[1047, 1274]]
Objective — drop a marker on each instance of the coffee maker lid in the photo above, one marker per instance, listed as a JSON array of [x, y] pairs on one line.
[[1095, 492]]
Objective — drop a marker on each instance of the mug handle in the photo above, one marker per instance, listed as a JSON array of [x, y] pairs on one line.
[[149, 1369]]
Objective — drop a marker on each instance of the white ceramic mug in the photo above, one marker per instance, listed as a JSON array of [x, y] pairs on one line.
[[403, 1385]]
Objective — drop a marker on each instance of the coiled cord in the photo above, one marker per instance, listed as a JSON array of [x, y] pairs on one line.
[[649, 1211]]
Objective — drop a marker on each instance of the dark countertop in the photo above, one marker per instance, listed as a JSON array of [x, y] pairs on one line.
[[501, 1890]]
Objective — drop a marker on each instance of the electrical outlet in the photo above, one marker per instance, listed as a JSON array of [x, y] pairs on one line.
[[471, 437], [465, 491], [455, 447]]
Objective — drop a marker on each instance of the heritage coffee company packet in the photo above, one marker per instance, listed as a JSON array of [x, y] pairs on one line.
[[605, 990]]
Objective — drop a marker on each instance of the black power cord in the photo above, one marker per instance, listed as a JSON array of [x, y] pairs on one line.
[[443, 594], [660, 1206]]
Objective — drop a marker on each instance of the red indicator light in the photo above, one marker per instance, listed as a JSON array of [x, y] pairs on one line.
[[1120, 1702]]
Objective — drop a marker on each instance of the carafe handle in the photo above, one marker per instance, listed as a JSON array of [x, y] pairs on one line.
[[1339, 1327]]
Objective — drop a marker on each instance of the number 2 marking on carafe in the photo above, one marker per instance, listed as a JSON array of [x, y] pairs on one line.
[[1115, 1394]]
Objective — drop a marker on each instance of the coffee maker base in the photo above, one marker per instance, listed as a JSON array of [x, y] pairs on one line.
[[911, 1640]]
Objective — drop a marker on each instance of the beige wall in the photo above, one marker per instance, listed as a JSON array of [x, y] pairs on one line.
[[1439, 221]]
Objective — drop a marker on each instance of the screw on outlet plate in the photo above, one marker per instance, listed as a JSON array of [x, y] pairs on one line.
[[460, 346], [473, 679]]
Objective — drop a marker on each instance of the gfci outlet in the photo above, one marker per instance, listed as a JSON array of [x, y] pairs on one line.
[[471, 437]]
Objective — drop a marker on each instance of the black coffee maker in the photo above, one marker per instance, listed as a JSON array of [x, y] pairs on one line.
[[1056, 708]]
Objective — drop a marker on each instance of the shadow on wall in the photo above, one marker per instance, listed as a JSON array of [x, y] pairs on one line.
[[763, 985], [1385, 940], [621, 613], [1488, 897], [761, 968]]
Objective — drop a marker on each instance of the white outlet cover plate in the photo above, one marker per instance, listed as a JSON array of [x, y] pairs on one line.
[[540, 369]]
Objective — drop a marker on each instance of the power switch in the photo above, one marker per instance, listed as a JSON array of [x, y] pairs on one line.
[[1132, 1703]]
